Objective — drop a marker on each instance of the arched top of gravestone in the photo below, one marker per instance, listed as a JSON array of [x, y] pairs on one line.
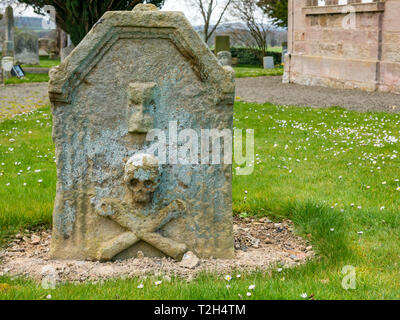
[[144, 21]]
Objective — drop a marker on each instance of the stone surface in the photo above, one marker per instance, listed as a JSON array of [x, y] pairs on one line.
[[268, 62], [135, 71], [65, 52], [26, 48], [330, 47], [189, 260], [225, 58]]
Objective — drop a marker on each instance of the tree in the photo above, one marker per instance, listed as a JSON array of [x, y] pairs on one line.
[[277, 10], [255, 21], [77, 17], [208, 9]]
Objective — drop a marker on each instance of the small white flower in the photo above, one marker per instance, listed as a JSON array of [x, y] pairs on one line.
[[279, 269], [332, 229], [252, 287], [248, 294], [238, 276], [48, 296], [304, 295], [40, 180], [157, 283], [360, 233], [228, 278], [382, 208], [140, 286]]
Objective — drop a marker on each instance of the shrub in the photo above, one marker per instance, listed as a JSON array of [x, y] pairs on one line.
[[253, 56]]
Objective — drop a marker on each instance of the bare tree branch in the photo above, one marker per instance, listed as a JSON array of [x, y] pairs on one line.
[[208, 9], [255, 21]]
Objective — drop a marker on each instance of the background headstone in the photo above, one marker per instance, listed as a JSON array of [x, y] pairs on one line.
[[269, 62], [44, 47], [284, 51], [65, 52], [8, 45], [104, 101], [26, 48], [222, 43], [225, 58], [53, 50]]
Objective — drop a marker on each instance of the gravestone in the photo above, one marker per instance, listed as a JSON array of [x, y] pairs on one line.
[[269, 62], [222, 43], [116, 198], [284, 51], [53, 50], [2, 30], [26, 48], [44, 47], [225, 58], [8, 45]]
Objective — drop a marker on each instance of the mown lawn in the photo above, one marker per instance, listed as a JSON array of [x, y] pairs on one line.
[[29, 77], [245, 71], [45, 62], [333, 172]]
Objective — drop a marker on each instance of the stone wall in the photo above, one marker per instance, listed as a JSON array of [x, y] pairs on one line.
[[345, 46]]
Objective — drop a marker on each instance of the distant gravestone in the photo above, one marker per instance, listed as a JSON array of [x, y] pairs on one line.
[[26, 48], [53, 50], [44, 46], [222, 43], [8, 45], [65, 52], [284, 51], [135, 72], [225, 58], [269, 62]]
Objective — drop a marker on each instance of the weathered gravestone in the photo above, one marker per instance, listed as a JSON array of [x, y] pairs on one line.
[[26, 48], [134, 72], [268, 62], [8, 45], [44, 47], [225, 58], [65, 52]]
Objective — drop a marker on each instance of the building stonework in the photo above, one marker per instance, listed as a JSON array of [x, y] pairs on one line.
[[344, 46]]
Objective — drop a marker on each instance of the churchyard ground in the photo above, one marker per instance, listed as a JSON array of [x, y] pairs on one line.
[[333, 172]]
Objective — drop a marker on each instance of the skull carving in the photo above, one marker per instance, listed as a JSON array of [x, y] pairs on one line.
[[142, 177]]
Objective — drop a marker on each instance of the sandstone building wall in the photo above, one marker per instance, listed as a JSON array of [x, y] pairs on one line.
[[346, 46]]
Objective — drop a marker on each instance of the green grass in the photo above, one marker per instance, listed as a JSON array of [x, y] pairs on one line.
[[29, 77], [314, 166], [275, 49], [244, 71], [45, 62]]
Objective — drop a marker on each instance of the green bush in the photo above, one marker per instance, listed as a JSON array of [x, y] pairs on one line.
[[253, 56]]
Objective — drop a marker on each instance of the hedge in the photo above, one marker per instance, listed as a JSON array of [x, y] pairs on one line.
[[252, 56]]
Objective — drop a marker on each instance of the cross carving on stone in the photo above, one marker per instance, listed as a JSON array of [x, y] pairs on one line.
[[140, 227]]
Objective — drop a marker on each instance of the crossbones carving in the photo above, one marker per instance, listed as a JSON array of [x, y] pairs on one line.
[[141, 178]]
